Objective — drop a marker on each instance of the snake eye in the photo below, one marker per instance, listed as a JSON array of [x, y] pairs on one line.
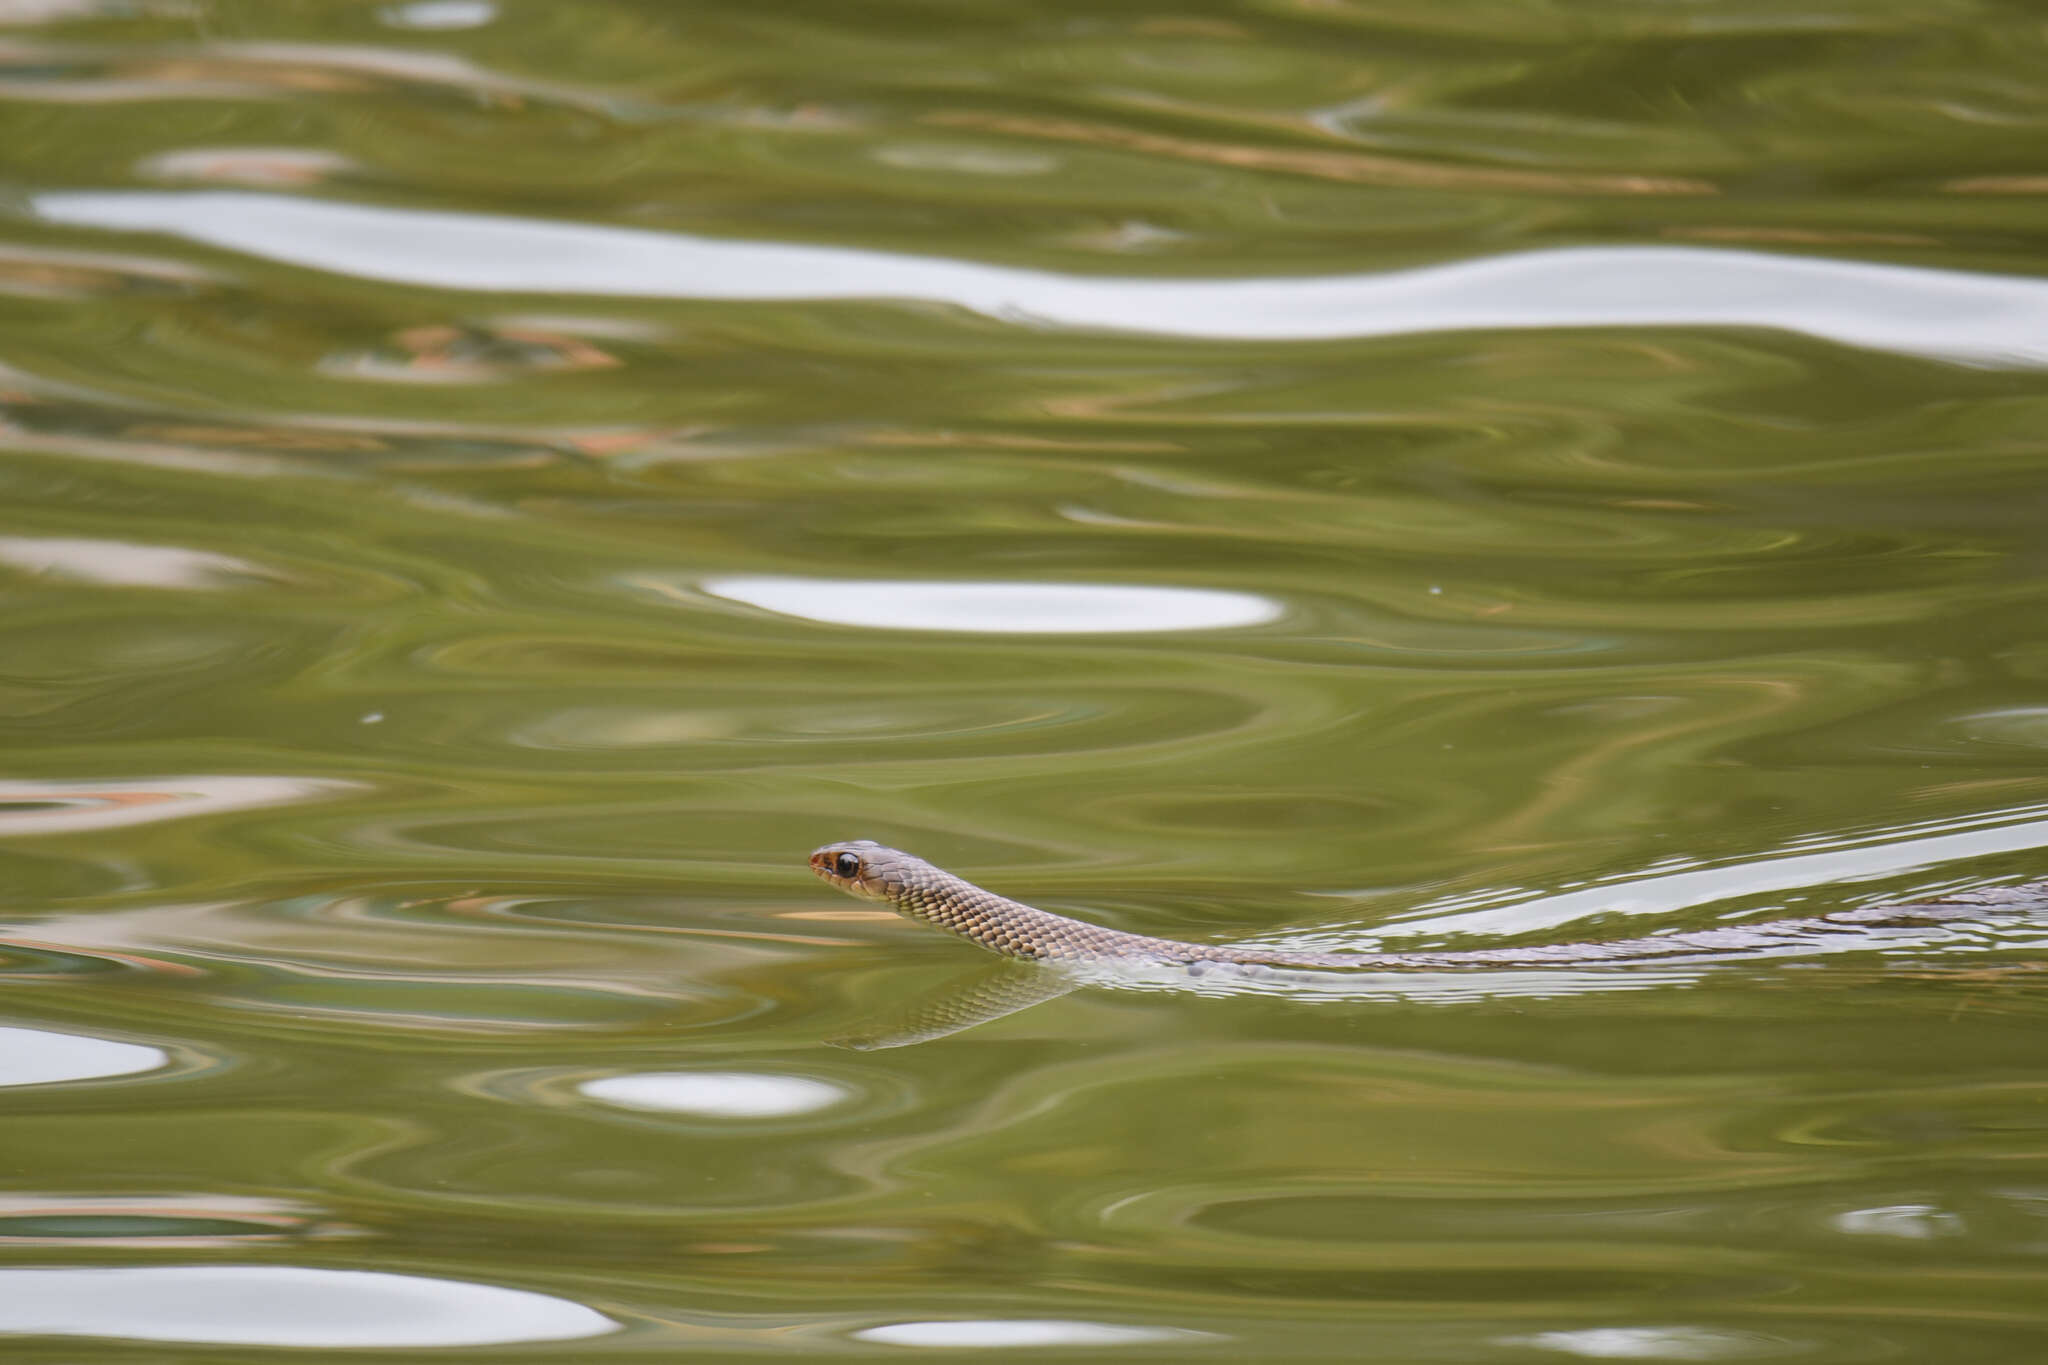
[[846, 865]]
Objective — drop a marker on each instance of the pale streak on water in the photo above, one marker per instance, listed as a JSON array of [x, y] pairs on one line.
[[486, 486], [1983, 320], [1862, 856]]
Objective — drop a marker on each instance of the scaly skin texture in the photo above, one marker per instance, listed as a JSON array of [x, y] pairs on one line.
[[917, 890]]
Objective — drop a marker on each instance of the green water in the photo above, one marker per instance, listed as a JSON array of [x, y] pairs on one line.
[[487, 485]]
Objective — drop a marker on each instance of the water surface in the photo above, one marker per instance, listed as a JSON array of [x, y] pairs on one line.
[[487, 486]]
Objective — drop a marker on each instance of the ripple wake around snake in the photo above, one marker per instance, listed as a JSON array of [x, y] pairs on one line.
[[930, 895]]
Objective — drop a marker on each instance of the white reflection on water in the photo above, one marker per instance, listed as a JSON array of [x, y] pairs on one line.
[[52, 807], [996, 1332], [716, 1094], [33, 1056], [1656, 1343], [440, 14], [120, 564], [1864, 856], [283, 1306], [1948, 314], [1915, 1222], [997, 608]]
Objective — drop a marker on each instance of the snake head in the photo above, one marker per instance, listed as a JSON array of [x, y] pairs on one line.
[[858, 866]]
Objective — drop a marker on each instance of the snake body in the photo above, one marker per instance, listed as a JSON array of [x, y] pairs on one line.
[[930, 895]]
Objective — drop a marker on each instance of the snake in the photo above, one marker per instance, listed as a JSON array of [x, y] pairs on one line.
[[930, 895], [934, 897]]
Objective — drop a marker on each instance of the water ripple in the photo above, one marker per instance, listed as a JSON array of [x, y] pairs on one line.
[[229, 1305], [998, 608], [39, 1057], [1832, 859], [997, 1334], [48, 807], [153, 1221], [125, 564], [1617, 429], [378, 961], [716, 1094], [1662, 1343], [1986, 320]]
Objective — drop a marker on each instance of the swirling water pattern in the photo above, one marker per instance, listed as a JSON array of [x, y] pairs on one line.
[[489, 484]]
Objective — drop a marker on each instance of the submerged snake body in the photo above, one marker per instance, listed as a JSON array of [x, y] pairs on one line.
[[930, 895]]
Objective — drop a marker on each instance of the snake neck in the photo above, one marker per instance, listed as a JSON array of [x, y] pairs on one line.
[[1017, 930], [998, 923]]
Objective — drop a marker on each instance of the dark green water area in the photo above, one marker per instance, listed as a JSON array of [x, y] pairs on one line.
[[486, 486]]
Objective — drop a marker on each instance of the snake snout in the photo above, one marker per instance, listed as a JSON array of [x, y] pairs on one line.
[[826, 863]]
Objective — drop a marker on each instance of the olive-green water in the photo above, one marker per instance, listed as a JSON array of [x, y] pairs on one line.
[[487, 485]]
